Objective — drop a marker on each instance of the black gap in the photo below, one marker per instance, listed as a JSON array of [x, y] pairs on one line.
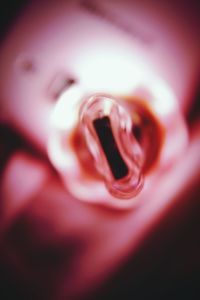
[[104, 132]]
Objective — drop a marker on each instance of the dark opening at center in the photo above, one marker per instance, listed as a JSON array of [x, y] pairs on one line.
[[104, 132]]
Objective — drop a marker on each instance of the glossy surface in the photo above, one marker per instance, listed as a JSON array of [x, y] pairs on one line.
[[107, 128]]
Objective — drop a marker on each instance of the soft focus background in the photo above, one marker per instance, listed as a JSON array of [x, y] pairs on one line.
[[51, 250]]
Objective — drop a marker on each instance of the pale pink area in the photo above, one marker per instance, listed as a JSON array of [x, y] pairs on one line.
[[60, 37], [23, 177]]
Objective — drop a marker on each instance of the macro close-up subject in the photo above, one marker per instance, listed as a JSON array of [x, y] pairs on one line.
[[99, 149]]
